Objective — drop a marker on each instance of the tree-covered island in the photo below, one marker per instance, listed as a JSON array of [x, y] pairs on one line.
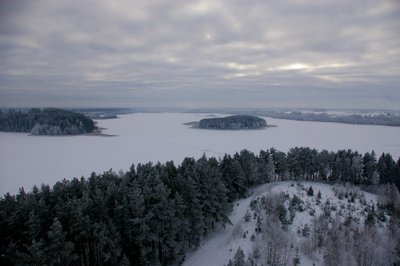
[[234, 122], [47, 121]]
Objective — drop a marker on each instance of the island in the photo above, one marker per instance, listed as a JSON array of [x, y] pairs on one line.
[[235, 122], [47, 121]]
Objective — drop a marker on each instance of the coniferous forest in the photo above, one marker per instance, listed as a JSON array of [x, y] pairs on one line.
[[234, 122], [47, 121], [153, 213]]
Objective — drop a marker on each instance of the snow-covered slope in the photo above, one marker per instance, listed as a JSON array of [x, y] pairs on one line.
[[330, 202]]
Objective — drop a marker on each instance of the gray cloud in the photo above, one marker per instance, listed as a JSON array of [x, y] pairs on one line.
[[200, 53]]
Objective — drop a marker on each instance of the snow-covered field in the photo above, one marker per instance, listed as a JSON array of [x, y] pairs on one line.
[[142, 137]]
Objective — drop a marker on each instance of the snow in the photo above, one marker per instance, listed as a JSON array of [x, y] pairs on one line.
[[27, 160], [218, 248]]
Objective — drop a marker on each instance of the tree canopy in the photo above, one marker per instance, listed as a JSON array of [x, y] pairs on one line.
[[48, 121], [234, 122]]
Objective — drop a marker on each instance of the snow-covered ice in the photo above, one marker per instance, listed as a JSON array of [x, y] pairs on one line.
[[27, 160]]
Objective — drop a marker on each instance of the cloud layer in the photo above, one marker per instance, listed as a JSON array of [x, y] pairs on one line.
[[256, 53]]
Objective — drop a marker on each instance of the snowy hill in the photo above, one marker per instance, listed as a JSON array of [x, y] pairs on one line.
[[301, 223]]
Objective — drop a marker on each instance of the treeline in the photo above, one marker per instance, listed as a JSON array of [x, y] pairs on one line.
[[380, 119], [152, 214], [234, 122], [48, 121]]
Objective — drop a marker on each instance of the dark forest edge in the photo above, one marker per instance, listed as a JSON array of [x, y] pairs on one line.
[[47, 121], [153, 213]]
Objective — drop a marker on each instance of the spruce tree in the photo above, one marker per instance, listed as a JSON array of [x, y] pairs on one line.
[[239, 258]]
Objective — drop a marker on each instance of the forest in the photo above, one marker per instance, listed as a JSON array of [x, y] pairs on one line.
[[153, 213], [47, 121], [234, 122]]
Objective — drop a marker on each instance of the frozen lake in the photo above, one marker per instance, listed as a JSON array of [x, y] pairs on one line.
[[27, 160]]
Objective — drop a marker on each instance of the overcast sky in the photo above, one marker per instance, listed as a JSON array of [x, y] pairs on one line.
[[228, 53]]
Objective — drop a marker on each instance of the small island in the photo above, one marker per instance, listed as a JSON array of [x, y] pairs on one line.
[[235, 122], [47, 121]]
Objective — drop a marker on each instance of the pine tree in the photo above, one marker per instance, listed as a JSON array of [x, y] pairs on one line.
[[133, 228], [37, 254], [59, 250], [212, 194], [318, 199], [34, 225], [247, 216], [387, 169], [280, 161], [356, 169], [249, 165], [271, 169], [369, 167], [233, 177], [239, 258], [310, 192], [193, 211]]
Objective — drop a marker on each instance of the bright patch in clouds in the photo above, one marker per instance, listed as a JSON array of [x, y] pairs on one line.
[[308, 67], [296, 66]]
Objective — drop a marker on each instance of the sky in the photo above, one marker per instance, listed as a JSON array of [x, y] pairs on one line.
[[197, 54]]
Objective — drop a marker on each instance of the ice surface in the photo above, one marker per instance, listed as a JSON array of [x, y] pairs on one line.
[[27, 160]]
